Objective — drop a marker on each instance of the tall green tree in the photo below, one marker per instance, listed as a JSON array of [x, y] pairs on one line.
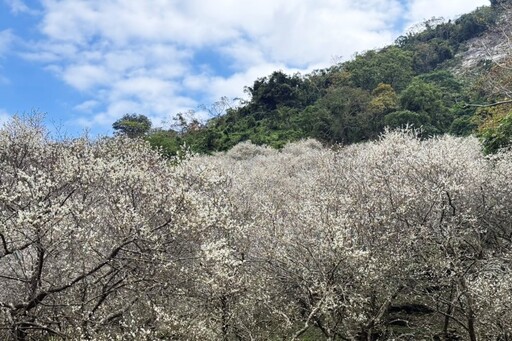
[[384, 101], [347, 121], [426, 99], [278, 89], [132, 125]]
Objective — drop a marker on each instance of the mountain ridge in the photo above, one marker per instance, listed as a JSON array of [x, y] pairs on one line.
[[427, 79]]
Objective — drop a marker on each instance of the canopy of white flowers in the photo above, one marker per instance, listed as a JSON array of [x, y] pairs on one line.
[[107, 240]]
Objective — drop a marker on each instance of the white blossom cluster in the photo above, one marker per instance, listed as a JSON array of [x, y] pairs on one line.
[[107, 240]]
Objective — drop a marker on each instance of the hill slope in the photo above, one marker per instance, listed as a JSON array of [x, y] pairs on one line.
[[426, 79]]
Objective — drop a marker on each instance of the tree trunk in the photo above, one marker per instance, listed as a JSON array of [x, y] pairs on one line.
[[449, 312], [225, 324], [471, 318]]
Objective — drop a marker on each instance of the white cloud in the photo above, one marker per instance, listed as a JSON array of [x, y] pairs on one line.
[[87, 106], [139, 56], [18, 6], [421, 10], [6, 39], [86, 76], [4, 117]]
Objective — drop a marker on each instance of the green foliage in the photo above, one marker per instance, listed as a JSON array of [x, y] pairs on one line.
[[403, 118], [439, 39], [452, 90], [346, 109], [463, 126], [434, 28], [426, 99], [132, 125], [473, 24], [421, 96], [384, 100], [166, 141], [495, 131], [443, 79], [427, 56], [493, 139], [279, 89], [409, 83], [391, 65]]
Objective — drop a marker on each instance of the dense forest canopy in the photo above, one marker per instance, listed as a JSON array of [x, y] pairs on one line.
[[417, 82]]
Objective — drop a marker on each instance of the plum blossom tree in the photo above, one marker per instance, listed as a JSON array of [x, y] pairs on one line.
[[400, 238], [82, 227]]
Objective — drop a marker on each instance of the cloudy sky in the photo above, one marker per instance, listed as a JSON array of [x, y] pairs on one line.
[[88, 62]]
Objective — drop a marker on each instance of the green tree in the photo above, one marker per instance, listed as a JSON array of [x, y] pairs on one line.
[[166, 141], [384, 101], [463, 126], [426, 99], [132, 125], [475, 23], [443, 79], [402, 118], [347, 121], [495, 130], [278, 89], [427, 56], [391, 65]]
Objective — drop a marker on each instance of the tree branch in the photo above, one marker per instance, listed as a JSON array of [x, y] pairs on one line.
[[488, 105], [42, 295], [6, 249]]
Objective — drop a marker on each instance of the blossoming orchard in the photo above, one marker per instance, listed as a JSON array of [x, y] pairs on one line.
[[397, 239]]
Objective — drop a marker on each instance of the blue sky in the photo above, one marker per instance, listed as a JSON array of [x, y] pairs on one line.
[[85, 63]]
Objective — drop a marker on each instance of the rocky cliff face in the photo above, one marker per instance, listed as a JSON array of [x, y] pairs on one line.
[[494, 46]]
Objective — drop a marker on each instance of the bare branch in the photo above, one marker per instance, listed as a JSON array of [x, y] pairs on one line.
[[489, 105]]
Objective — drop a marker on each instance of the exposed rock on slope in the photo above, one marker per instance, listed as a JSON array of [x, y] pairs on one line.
[[495, 45]]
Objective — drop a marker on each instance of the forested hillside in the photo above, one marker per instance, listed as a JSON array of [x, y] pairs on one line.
[[422, 80]]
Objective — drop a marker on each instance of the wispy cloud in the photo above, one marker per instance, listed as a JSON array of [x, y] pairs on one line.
[[18, 6], [4, 117], [6, 39], [87, 106]]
